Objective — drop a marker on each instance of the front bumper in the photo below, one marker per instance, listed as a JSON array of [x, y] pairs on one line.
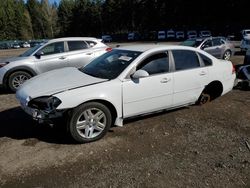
[[43, 116]]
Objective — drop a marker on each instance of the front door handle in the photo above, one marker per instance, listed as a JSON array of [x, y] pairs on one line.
[[165, 80], [63, 57], [89, 53]]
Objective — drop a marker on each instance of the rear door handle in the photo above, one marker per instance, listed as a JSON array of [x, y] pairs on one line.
[[63, 57], [165, 80], [202, 73]]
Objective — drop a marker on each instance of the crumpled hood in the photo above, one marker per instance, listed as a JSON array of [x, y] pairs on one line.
[[55, 81]]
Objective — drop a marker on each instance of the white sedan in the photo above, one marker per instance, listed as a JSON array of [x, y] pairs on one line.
[[125, 82]]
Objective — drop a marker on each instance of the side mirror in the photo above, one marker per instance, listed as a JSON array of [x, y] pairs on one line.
[[140, 74], [39, 54]]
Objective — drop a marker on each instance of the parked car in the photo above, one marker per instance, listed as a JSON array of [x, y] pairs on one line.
[[205, 34], [247, 58], [245, 44], [243, 77], [16, 45], [125, 82], [161, 35], [191, 34], [245, 33], [180, 35], [170, 34], [25, 45], [216, 46], [133, 36], [106, 38], [54, 54]]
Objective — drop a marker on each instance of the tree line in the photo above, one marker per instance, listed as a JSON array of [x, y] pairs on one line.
[[33, 19]]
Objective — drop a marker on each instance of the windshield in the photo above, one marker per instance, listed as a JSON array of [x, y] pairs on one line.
[[30, 51], [111, 64], [192, 42]]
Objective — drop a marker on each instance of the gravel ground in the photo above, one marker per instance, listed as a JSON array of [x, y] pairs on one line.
[[197, 146]]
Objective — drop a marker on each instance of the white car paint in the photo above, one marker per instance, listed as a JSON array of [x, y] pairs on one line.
[[130, 97]]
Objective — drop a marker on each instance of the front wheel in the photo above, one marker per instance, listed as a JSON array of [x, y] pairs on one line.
[[90, 122], [227, 55], [16, 79]]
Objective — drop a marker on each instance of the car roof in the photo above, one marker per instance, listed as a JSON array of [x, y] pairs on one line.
[[71, 39], [154, 47]]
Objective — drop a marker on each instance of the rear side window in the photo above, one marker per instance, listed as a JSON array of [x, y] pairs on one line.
[[207, 61], [185, 59], [77, 45], [91, 43], [155, 64]]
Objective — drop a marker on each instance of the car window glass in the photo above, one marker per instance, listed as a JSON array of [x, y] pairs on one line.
[[155, 64], [77, 45], [185, 59], [91, 43], [208, 44], [54, 48], [217, 42], [207, 61]]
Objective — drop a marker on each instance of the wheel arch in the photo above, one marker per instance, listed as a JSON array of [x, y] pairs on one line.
[[214, 88], [108, 104], [19, 68]]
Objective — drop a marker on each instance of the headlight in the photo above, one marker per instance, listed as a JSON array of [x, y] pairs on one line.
[[3, 64], [46, 103]]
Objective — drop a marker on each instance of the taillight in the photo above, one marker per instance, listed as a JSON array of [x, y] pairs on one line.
[[233, 69], [108, 49]]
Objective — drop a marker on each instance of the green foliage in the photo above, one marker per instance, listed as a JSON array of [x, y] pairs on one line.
[[20, 19]]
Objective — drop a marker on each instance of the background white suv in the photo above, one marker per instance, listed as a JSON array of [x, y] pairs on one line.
[[53, 54]]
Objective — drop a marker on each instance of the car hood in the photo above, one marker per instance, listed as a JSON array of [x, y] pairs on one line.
[[56, 81], [14, 59]]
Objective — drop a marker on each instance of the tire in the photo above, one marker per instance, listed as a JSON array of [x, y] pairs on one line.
[[89, 122], [204, 98], [227, 55], [16, 79]]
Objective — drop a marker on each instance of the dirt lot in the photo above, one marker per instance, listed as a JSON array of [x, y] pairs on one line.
[[198, 146]]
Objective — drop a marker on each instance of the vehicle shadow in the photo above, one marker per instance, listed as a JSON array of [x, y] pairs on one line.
[[4, 91], [16, 124]]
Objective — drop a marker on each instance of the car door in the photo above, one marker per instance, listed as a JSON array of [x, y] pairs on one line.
[[150, 93], [189, 78], [208, 47], [219, 47], [52, 56], [79, 53]]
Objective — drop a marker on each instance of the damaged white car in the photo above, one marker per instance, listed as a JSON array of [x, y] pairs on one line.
[[125, 82]]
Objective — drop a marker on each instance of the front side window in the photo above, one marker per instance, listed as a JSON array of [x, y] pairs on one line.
[[185, 59], [208, 44], [77, 45], [53, 48], [155, 64], [111, 64]]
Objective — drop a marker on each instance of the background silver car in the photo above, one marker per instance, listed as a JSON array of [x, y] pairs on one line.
[[219, 47], [53, 54]]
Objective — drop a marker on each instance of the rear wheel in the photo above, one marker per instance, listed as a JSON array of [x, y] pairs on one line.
[[90, 122], [204, 98], [227, 55], [16, 79]]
